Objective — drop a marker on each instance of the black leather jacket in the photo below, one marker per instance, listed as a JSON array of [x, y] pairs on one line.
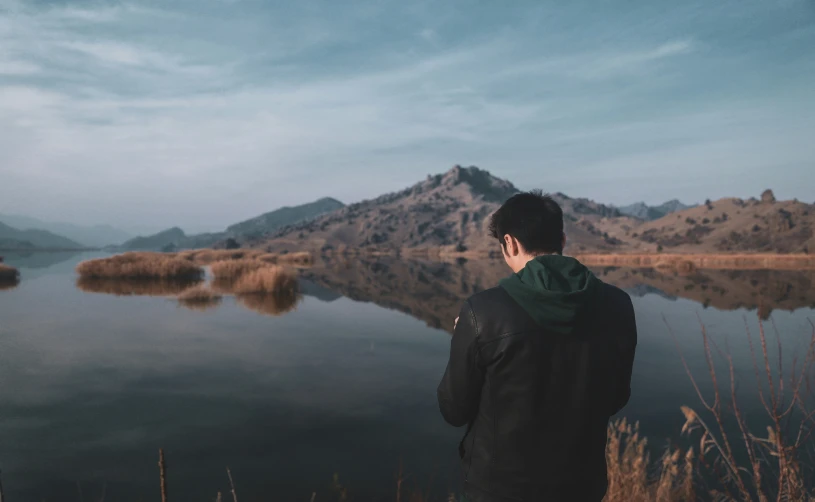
[[537, 404]]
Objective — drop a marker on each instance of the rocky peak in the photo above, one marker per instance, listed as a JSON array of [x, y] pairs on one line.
[[767, 196]]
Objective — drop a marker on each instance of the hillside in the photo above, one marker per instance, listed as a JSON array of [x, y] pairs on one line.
[[13, 238], [271, 221], [91, 236], [169, 237], [642, 211], [447, 212], [175, 238], [734, 225]]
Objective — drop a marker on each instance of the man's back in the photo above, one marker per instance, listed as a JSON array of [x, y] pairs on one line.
[[537, 367]]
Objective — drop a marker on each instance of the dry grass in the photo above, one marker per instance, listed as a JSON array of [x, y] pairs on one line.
[[630, 475], [690, 262], [9, 277], [199, 297], [210, 256], [233, 269], [137, 266], [270, 279], [728, 466], [135, 287]]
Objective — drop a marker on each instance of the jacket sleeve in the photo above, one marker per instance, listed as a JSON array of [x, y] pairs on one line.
[[627, 340], [459, 392]]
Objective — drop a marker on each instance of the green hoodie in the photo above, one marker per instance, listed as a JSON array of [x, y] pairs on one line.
[[557, 291]]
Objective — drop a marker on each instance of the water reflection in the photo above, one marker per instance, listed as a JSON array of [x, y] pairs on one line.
[[433, 291], [271, 304], [135, 287]]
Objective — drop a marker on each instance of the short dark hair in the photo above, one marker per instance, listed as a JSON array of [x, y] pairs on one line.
[[533, 218]]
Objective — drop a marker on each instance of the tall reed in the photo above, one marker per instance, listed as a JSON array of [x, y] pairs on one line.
[[138, 265]]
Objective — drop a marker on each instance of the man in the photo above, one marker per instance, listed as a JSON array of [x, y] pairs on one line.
[[537, 367]]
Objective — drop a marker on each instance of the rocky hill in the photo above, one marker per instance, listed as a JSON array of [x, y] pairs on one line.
[[734, 225], [271, 221], [14, 238], [642, 211], [448, 212], [167, 238]]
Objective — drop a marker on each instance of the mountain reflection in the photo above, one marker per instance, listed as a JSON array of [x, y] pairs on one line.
[[434, 291]]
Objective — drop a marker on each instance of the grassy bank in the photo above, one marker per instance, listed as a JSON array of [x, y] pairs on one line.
[[702, 261], [139, 265]]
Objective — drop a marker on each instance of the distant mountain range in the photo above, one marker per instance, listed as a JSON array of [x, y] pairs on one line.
[[642, 211], [449, 213], [88, 236], [14, 238], [175, 238]]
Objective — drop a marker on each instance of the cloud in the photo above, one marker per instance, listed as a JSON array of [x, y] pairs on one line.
[[141, 105]]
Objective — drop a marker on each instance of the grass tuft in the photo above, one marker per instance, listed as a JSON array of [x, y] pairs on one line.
[[270, 279], [136, 265]]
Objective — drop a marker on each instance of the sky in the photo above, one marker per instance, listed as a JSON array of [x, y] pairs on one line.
[[149, 114]]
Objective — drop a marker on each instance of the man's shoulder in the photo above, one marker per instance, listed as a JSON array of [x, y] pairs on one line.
[[613, 294], [488, 298]]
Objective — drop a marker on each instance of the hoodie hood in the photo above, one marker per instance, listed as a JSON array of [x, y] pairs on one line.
[[557, 291]]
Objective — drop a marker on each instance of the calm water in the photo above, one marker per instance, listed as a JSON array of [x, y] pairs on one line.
[[92, 384]]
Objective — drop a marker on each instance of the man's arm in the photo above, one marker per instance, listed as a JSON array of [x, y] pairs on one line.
[[460, 389], [627, 343]]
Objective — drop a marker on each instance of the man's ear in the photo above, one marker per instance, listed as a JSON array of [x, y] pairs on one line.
[[511, 245], [563, 243]]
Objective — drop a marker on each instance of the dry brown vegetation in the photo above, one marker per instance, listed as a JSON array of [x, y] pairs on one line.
[[270, 279], [138, 265], [199, 297], [758, 261], [233, 269], [726, 465], [135, 287], [210, 256], [9, 277]]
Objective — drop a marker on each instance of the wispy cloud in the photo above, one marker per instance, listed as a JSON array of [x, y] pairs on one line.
[[228, 104]]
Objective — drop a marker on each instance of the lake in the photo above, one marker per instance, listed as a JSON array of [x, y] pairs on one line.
[[92, 384]]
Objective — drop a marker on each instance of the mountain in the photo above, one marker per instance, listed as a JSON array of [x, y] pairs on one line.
[[449, 214], [642, 211], [89, 236], [444, 213], [13, 238], [735, 225], [160, 240], [175, 238], [271, 221]]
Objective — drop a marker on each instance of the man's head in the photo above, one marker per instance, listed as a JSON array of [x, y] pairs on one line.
[[529, 224]]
